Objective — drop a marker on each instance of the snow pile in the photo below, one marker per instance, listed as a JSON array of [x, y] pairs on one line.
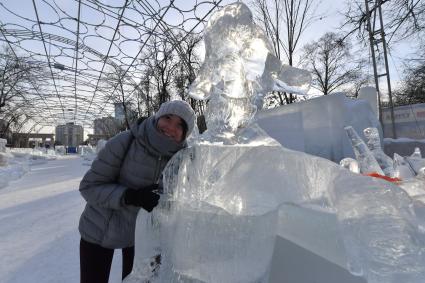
[[40, 155], [16, 162], [16, 165]]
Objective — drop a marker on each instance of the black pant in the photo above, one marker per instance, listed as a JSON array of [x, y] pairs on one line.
[[96, 261]]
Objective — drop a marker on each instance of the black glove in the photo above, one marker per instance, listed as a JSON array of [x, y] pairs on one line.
[[144, 197]]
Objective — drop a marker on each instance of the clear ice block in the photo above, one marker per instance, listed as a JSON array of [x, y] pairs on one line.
[[364, 156], [374, 144]]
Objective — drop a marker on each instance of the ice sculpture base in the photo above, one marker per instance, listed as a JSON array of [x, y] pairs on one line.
[[224, 205], [308, 239], [293, 263], [211, 245]]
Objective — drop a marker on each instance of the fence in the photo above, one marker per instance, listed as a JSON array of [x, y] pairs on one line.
[[409, 121]]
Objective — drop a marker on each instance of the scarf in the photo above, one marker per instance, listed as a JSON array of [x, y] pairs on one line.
[[155, 141]]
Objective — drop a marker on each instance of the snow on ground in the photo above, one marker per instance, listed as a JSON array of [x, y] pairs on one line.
[[39, 214]]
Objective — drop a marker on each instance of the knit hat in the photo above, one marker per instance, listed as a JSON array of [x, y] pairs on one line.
[[180, 108]]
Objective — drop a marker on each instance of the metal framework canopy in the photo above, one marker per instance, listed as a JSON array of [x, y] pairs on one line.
[[81, 56]]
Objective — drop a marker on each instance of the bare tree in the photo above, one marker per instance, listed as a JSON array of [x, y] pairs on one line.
[[13, 119], [284, 22], [123, 86], [331, 63], [146, 93], [363, 79], [170, 66], [187, 68], [412, 90], [107, 126], [15, 73], [402, 19], [161, 61], [17, 78]]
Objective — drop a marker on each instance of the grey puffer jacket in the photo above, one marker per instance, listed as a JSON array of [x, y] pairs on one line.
[[132, 159]]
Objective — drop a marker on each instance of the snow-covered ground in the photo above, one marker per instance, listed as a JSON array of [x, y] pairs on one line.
[[39, 213]]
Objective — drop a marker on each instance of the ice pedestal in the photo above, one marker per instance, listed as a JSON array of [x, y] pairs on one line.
[[211, 245], [316, 126], [202, 243], [224, 220]]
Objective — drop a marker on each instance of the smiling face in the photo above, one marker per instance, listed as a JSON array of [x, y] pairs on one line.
[[171, 126]]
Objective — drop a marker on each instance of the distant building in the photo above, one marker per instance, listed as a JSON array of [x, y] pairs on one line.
[[32, 140], [69, 134]]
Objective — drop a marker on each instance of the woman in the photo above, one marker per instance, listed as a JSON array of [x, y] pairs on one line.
[[124, 178]]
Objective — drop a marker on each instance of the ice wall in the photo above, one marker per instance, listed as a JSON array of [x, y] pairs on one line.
[[370, 94], [316, 126]]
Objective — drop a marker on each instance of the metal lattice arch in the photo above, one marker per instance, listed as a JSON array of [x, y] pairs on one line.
[[86, 55]]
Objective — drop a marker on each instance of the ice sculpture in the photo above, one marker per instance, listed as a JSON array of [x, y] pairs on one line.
[[3, 155], [364, 156], [402, 168], [350, 164], [372, 158], [374, 144], [416, 153], [416, 162], [225, 197], [60, 149], [239, 68], [3, 143]]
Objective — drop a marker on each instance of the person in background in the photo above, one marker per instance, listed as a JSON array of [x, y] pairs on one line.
[[124, 178]]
